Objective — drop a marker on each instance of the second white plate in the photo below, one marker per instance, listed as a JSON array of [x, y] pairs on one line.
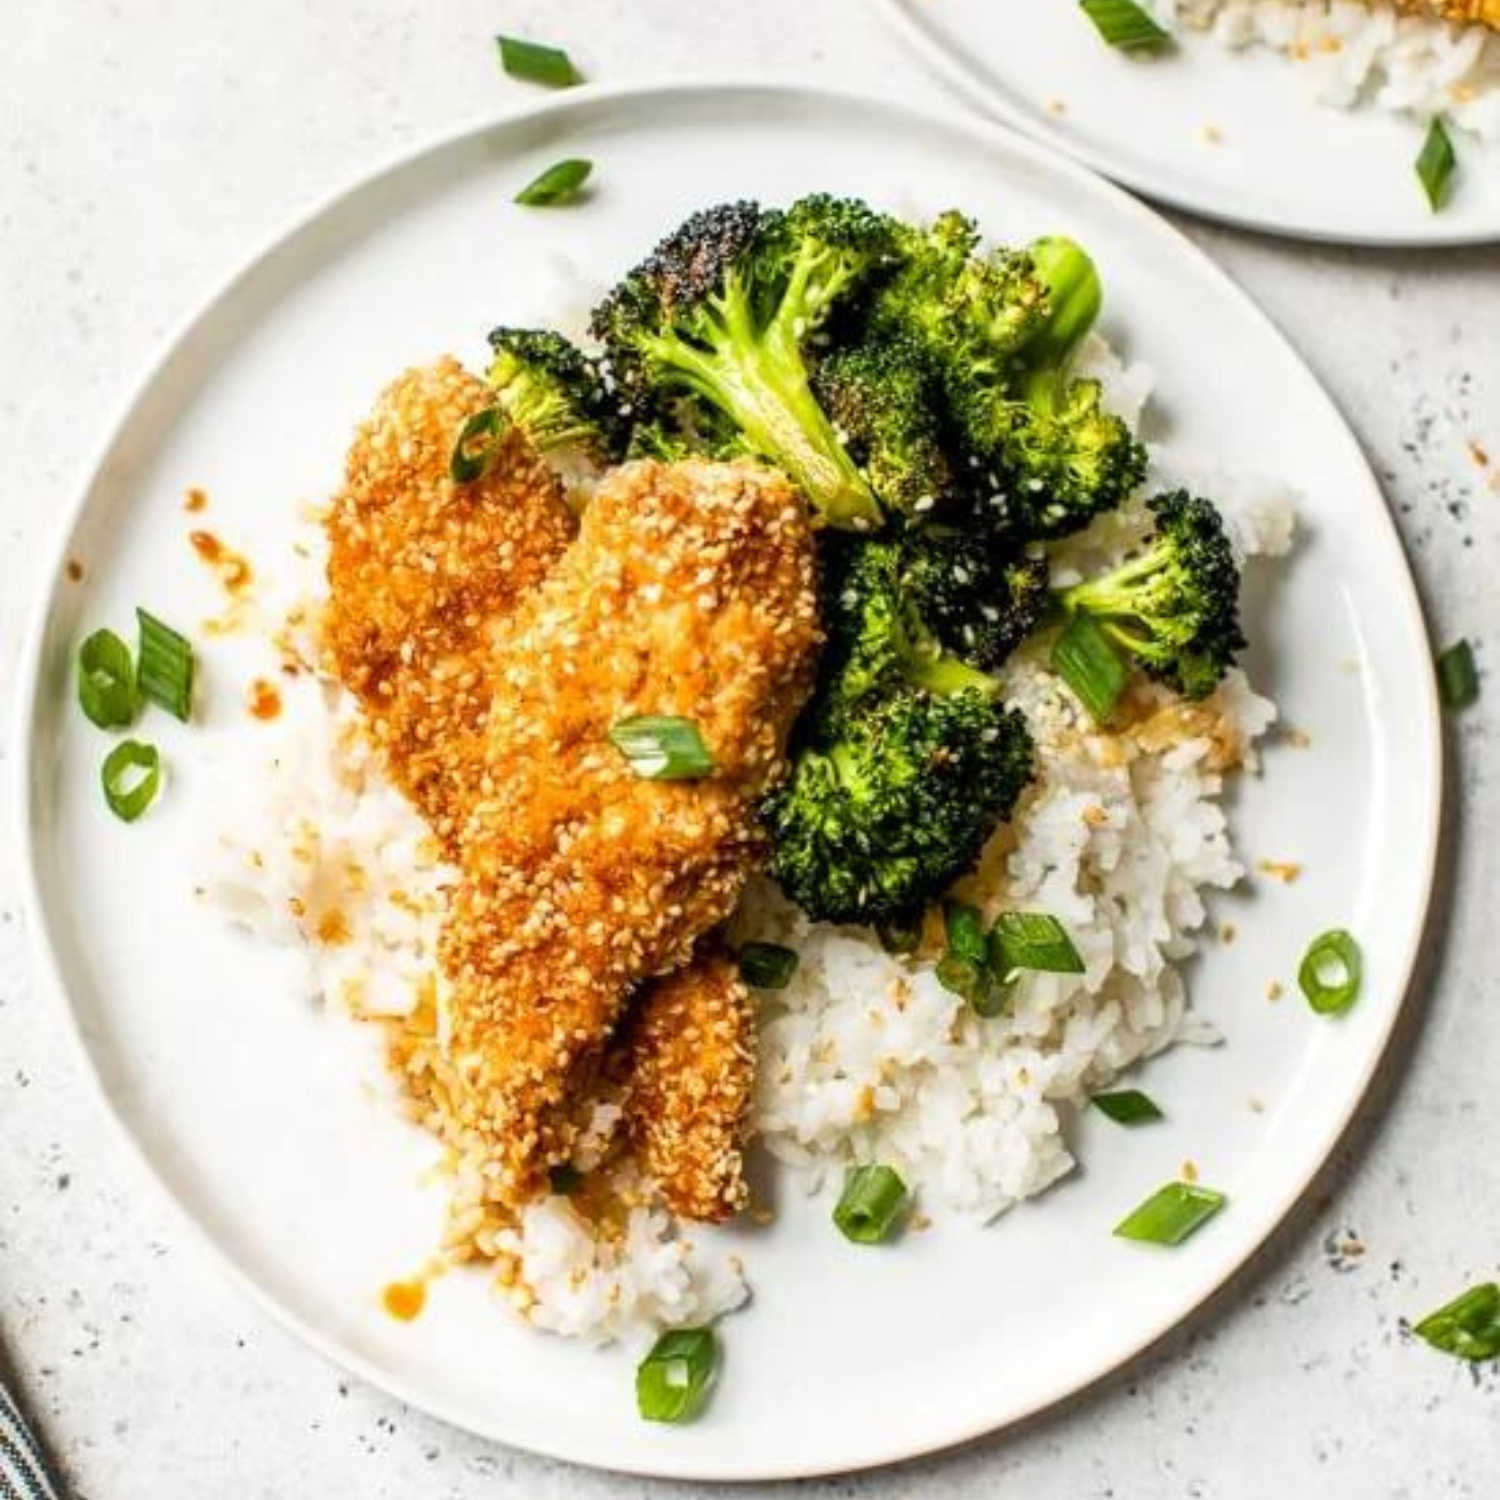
[[247, 1103], [1232, 135]]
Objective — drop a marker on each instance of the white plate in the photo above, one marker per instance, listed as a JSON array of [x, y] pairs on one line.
[[244, 1100], [1234, 135]]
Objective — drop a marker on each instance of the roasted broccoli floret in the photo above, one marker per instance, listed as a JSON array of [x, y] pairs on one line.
[[872, 826], [1003, 328], [878, 641], [1173, 608], [886, 407], [726, 310], [980, 598], [554, 392]]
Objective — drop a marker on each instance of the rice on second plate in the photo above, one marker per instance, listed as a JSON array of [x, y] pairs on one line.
[[1354, 53], [864, 1056]]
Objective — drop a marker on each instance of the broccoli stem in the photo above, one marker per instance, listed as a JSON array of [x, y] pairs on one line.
[[1074, 297], [759, 380]]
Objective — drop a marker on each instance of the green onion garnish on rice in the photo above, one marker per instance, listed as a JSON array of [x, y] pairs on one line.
[[563, 1179], [767, 966], [661, 747], [1124, 24], [131, 778], [560, 183], [164, 666], [1467, 1327], [477, 446], [1084, 658], [1171, 1214], [673, 1379], [965, 967], [106, 681], [1033, 940], [1458, 678], [535, 62], [872, 1204], [1436, 163], [1331, 972], [1127, 1107]]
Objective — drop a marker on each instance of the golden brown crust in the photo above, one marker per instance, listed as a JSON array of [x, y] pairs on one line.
[[421, 571], [690, 591], [688, 1057], [1486, 12]]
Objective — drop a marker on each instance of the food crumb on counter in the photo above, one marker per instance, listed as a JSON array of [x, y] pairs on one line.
[[1284, 870]]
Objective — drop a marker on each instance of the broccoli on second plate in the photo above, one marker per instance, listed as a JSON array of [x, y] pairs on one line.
[[1173, 609]]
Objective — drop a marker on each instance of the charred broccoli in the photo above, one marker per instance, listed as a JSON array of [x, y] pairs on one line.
[[1173, 609], [876, 823], [726, 310]]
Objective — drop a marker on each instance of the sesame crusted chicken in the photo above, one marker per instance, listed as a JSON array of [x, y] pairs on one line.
[[1486, 11], [689, 592], [688, 1060], [422, 571]]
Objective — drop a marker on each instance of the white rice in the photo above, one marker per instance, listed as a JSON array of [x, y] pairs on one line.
[[1353, 54], [864, 1056]]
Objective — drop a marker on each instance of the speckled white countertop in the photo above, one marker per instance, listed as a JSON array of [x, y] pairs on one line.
[[144, 146]]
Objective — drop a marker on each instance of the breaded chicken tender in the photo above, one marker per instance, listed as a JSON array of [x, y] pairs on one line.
[[690, 592], [688, 1058], [422, 571]]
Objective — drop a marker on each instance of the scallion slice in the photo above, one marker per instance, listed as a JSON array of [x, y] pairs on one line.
[[1468, 1326], [1033, 940], [560, 183], [1458, 679], [164, 665], [535, 62], [106, 681], [478, 444], [1171, 1214], [767, 966], [660, 747], [1127, 1107], [1084, 658], [1331, 972], [965, 966], [131, 778], [1124, 24], [673, 1379], [871, 1205], [1436, 163]]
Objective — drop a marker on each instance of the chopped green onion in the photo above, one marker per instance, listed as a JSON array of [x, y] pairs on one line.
[[1468, 1326], [1331, 972], [768, 966], [1084, 658], [1124, 24], [900, 936], [535, 62], [1436, 163], [1033, 940], [662, 748], [563, 1179], [106, 681], [871, 1204], [673, 1379], [558, 184], [1171, 1214], [1458, 680], [478, 445], [164, 666], [965, 967], [1127, 1107], [131, 777]]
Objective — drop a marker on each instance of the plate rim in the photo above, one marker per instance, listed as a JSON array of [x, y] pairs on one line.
[[48, 970], [968, 79]]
